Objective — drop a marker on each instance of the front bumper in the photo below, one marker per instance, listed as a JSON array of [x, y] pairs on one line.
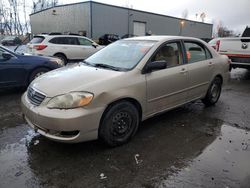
[[70, 126]]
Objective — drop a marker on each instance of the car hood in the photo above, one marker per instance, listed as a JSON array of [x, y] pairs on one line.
[[29, 56], [78, 77]]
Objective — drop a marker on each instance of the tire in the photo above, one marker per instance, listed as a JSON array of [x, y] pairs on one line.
[[119, 123], [213, 93], [62, 58], [36, 73]]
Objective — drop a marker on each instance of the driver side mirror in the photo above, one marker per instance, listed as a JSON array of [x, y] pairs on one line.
[[156, 65], [7, 55], [94, 45]]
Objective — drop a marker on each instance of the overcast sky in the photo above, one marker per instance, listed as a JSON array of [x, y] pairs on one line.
[[234, 14]]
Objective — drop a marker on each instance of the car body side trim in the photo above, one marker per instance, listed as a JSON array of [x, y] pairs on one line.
[[181, 91]]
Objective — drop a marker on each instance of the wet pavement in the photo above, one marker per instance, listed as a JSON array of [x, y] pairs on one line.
[[191, 146]]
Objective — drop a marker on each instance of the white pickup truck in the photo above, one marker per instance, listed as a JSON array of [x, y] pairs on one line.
[[237, 49]]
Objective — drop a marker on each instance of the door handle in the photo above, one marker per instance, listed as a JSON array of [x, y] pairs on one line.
[[183, 70]]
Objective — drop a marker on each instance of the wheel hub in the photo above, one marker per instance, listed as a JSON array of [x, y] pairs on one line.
[[121, 123], [39, 74], [215, 91]]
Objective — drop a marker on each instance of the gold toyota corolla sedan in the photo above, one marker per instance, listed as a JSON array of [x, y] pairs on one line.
[[108, 94]]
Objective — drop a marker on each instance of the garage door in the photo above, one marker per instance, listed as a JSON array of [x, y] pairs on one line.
[[139, 28]]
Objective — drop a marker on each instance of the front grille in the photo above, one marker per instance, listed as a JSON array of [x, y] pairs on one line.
[[35, 97]]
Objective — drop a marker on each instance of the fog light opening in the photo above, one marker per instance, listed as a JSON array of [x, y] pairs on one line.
[[69, 133]]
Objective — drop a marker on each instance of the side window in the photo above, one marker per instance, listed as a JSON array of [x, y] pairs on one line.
[[196, 52], [71, 41], [171, 53], [55, 40], [84, 42]]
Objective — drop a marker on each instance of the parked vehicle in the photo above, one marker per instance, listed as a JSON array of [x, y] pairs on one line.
[[108, 39], [17, 70], [11, 41], [65, 47], [237, 49], [108, 94], [128, 36]]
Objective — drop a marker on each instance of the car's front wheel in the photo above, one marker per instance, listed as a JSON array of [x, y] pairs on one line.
[[119, 123], [36, 73], [213, 93]]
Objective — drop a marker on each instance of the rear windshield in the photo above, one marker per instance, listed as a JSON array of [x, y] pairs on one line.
[[10, 38], [37, 39]]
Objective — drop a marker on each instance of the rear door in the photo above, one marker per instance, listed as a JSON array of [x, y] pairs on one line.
[[167, 88], [200, 67], [69, 47], [12, 72]]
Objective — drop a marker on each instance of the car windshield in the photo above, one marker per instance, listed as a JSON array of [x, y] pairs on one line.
[[123, 55]]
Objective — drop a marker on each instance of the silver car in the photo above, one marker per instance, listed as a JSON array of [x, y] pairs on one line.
[[108, 94]]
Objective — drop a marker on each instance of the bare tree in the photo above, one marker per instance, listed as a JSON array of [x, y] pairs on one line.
[[185, 14], [223, 31], [203, 16], [13, 14]]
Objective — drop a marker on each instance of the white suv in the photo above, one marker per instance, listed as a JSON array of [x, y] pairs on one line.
[[65, 47]]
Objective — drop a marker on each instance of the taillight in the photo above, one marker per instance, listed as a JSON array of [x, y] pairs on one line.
[[217, 47], [40, 47]]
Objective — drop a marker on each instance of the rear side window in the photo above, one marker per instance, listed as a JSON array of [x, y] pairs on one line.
[[55, 40], [37, 39], [72, 41], [196, 52]]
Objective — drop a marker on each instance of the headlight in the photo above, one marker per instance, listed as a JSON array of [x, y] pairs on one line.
[[57, 61], [70, 100]]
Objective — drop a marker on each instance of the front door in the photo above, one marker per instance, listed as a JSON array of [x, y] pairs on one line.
[[11, 71], [167, 88]]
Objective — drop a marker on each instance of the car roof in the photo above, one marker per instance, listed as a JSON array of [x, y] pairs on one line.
[[45, 35], [161, 38]]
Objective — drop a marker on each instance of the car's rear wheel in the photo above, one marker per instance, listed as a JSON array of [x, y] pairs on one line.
[[36, 73], [119, 123], [213, 93], [62, 58]]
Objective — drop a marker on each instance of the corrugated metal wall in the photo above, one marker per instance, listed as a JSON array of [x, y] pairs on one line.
[[108, 19], [73, 18], [163, 25], [111, 19]]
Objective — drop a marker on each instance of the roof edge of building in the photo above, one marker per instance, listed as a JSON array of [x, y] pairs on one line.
[[142, 11]]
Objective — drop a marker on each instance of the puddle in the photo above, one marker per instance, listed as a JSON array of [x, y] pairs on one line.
[[179, 156], [14, 169], [224, 163]]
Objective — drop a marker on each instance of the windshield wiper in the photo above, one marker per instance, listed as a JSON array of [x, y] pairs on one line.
[[87, 63], [107, 66]]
